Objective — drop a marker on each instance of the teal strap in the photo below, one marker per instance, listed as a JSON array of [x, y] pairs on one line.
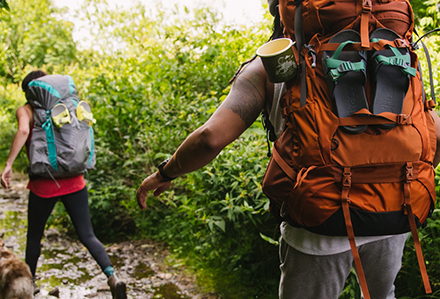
[[339, 49], [92, 140], [399, 60], [338, 68], [46, 86], [71, 85], [47, 126]]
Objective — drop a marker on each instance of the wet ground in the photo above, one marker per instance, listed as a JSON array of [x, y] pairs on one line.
[[67, 270]]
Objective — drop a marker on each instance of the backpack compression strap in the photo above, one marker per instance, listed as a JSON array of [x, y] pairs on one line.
[[365, 18], [408, 209], [345, 201], [410, 175]]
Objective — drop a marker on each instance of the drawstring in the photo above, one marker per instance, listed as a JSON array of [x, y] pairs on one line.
[[52, 177], [302, 175]]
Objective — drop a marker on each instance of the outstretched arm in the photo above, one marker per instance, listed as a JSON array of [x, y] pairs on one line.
[[239, 110], [24, 117]]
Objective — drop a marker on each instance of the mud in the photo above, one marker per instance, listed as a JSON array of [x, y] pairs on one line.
[[67, 270]]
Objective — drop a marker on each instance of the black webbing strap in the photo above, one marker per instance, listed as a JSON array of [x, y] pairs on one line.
[[431, 80], [419, 67], [299, 37], [428, 59]]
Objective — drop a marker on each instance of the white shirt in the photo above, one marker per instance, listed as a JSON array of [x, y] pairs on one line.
[[314, 244]]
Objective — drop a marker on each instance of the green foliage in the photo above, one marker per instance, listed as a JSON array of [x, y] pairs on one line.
[[226, 210], [427, 13], [352, 289], [10, 98], [161, 82], [34, 34], [152, 78], [4, 5]]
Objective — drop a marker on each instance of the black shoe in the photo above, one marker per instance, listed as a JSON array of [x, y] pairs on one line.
[[118, 288]]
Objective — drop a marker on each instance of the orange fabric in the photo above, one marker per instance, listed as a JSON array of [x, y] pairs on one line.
[[312, 137], [313, 151], [327, 17], [345, 200]]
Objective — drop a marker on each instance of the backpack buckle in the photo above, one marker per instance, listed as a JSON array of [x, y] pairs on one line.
[[346, 178], [312, 53], [409, 173], [366, 6], [404, 119], [397, 61], [401, 43]]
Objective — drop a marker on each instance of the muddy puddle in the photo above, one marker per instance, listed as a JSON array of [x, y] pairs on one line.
[[67, 270]]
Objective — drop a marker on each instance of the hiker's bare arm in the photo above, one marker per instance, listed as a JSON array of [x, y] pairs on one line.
[[24, 117], [437, 127], [239, 110]]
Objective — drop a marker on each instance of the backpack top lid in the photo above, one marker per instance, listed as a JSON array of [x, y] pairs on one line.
[[45, 92]]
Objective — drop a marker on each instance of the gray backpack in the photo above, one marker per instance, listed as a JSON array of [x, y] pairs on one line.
[[62, 143]]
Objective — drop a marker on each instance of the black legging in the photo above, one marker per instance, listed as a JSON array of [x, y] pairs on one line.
[[77, 206]]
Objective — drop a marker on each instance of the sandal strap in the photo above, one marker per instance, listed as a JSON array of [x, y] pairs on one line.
[[342, 67], [338, 68], [399, 60]]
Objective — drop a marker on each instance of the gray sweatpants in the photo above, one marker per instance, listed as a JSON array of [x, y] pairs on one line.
[[305, 276]]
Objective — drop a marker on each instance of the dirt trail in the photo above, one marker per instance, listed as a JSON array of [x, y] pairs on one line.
[[67, 270]]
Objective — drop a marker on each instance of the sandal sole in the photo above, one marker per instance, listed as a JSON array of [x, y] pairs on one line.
[[389, 82], [349, 91]]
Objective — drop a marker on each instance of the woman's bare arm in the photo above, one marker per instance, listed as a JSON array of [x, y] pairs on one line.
[[24, 118]]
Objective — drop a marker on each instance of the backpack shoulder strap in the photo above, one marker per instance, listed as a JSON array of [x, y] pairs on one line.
[[299, 37]]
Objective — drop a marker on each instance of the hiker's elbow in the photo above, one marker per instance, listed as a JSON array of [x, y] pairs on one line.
[[23, 131], [210, 141]]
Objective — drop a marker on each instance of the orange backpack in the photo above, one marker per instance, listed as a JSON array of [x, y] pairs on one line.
[[356, 155]]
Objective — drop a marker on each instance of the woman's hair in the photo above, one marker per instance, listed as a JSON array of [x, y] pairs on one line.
[[31, 76]]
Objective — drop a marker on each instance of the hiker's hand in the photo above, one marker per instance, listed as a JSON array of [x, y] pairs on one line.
[[153, 182], [6, 176]]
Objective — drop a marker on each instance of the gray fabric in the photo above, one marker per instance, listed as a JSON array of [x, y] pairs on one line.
[[306, 276], [73, 141], [275, 115], [272, 6]]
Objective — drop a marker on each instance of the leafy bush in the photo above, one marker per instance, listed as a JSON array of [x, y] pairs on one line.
[[162, 76], [162, 83]]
